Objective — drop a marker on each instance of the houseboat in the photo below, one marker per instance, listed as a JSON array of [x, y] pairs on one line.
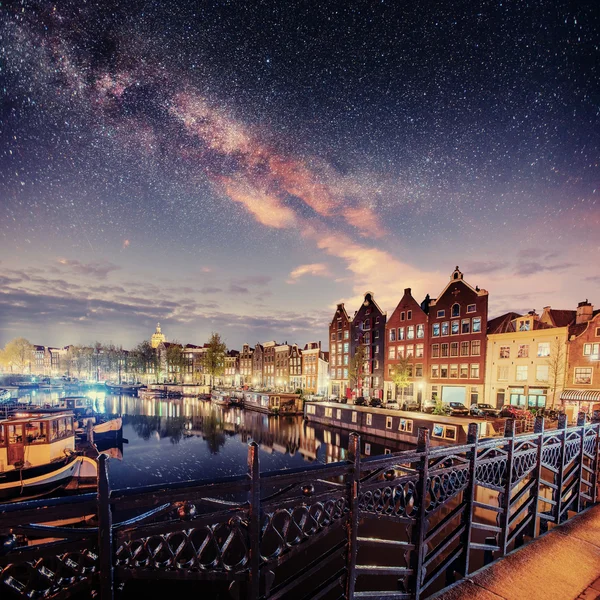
[[123, 388], [273, 403], [37, 455], [220, 397], [398, 425], [4, 395]]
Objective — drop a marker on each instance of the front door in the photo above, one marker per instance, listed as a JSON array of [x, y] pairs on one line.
[[16, 448]]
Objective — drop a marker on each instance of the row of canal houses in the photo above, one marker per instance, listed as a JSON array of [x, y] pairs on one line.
[[451, 351]]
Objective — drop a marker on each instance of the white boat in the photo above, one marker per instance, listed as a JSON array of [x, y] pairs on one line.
[[37, 455], [123, 388]]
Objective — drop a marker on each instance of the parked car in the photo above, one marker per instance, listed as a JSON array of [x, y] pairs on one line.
[[457, 409], [361, 401], [392, 404], [429, 405], [376, 402], [512, 412], [410, 405], [484, 410]]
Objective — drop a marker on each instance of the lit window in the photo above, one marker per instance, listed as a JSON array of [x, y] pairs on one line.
[[410, 332], [476, 324], [444, 350], [445, 328], [354, 416], [475, 371], [453, 371], [542, 373], [435, 350], [392, 352], [420, 331], [369, 419], [400, 333], [464, 371], [444, 371], [338, 414], [410, 351], [419, 351], [392, 335], [454, 349], [464, 348], [583, 376], [502, 373], [388, 422], [475, 347], [543, 349], [592, 350], [455, 327], [521, 373], [436, 329], [435, 371]]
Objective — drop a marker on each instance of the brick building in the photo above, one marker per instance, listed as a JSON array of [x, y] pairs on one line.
[[368, 330], [257, 366], [282, 367], [406, 337], [457, 342], [339, 353], [295, 368], [582, 385], [246, 367], [231, 376], [269, 364], [315, 370]]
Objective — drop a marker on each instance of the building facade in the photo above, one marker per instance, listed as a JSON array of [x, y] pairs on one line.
[[295, 368], [339, 353], [582, 385], [282, 367], [526, 361], [368, 330], [157, 337], [246, 368], [407, 347], [457, 342], [315, 370], [257, 366], [269, 364], [231, 375]]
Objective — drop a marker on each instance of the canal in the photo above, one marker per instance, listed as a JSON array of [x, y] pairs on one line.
[[170, 440]]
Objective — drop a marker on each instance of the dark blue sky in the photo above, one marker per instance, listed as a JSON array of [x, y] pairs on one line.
[[243, 167]]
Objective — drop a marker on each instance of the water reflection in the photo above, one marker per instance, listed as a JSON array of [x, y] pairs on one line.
[[185, 438]]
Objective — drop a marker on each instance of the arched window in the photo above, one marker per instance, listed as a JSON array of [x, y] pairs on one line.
[[456, 310]]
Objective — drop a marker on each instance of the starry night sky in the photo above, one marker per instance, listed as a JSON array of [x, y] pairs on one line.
[[241, 167]]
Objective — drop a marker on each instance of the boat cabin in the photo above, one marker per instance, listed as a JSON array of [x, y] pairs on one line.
[[35, 439], [273, 402]]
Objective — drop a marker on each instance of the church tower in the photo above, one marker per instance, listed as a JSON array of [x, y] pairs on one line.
[[157, 337]]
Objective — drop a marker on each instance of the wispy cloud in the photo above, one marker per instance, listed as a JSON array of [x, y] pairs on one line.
[[99, 269], [314, 269]]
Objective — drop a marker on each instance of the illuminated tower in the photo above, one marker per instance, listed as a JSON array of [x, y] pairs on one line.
[[157, 337]]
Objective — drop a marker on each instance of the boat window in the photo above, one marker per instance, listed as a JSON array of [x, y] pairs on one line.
[[62, 427], [53, 430], [388, 422], [36, 432], [1, 435], [338, 414], [405, 425], [447, 432], [15, 435]]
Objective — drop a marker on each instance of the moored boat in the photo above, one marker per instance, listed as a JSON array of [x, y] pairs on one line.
[[37, 455], [273, 403], [123, 388]]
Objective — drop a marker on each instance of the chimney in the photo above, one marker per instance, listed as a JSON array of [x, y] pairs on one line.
[[407, 291], [585, 312]]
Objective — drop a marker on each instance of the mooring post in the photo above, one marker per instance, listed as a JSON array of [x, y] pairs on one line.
[[509, 434], [254, 520], [469, 497], [560, 476], [105, 541], [538, 428], [420, 526], [353, 488]]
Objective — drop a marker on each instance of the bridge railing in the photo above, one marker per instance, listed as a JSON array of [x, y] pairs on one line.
[[395, 526]]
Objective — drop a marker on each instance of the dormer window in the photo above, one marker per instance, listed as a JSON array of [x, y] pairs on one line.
[[524, 325], [456, 310]]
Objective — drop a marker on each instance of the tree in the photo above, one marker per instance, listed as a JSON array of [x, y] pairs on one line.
[[402, 374], [355, 367], [213, 360], [17, 355], [175, 359], [556, 366], [145, 360]]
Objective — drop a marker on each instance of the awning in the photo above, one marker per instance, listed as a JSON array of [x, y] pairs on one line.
[[581, 395]]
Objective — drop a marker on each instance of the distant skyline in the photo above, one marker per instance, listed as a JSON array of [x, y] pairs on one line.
[[244, 167]]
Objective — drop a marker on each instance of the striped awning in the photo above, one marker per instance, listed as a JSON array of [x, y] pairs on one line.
[[581, 395]]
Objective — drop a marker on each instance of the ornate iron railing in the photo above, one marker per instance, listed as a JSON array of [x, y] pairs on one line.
[[395, 526]]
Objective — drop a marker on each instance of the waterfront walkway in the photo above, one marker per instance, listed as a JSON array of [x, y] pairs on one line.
[[564, 564]]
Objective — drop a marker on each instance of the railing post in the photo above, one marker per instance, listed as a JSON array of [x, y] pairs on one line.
[[596, 466], [421, 523], [560, 476], [469, 496], [509, 434], [254, 520], [353, 489], [581, 424], [538, 428], [105, 541]]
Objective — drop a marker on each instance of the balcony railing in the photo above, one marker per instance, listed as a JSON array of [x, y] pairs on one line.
[[395, 526]]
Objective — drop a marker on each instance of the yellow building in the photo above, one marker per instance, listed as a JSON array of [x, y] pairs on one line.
[[526, 361], [157, 337]]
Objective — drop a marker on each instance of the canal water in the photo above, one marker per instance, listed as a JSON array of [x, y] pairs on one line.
[[182, 439]]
